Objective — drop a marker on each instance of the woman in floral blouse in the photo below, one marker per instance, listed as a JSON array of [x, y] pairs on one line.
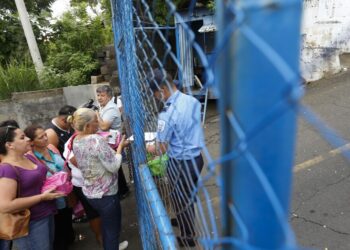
[[99, 164]]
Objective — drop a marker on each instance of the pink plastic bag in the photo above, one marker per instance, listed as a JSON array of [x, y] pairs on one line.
[[59, 181], [111, 141]]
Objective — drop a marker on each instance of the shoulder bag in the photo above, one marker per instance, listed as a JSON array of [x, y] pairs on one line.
[[14, 225]]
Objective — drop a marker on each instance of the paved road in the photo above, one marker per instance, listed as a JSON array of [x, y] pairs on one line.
[[320, 212]]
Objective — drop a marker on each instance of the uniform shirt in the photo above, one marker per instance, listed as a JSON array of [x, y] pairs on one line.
[[111, 113], [179, 125]]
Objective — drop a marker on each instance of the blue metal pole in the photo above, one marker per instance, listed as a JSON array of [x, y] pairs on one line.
[[258, 82], [159, 213]]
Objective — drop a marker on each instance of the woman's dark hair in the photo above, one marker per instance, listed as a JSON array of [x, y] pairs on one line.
[[30, 131], [9, 123], [7, 134]]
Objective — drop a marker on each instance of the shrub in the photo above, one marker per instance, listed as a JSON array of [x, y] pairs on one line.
[[17, 76]]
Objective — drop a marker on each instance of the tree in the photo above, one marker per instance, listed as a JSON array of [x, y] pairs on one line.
[[74, 42], [12, 40]]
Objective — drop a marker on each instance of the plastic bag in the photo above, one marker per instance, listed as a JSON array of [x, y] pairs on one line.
[[158, 165], [59, 181], [114, 137]]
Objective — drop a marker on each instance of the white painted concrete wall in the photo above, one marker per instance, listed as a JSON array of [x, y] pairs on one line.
[[325, 36]]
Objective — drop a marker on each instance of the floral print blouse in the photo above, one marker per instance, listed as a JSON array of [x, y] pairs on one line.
[[99, 165]]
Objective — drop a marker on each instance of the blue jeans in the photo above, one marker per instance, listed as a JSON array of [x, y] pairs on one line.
[[41, 235], [108, 207], [4, 244]]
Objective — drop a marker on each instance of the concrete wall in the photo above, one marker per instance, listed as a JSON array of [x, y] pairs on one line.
[[41, 106], [325, 36]]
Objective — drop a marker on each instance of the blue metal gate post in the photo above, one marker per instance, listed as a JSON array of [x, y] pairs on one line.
[[154, 224], [258, 81], [127, 68]]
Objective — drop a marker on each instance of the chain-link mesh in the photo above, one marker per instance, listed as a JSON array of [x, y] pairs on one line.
[[249, 58]]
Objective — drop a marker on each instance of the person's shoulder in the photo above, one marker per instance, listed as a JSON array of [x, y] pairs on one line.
[[53, 149], [95, 137], [112, 108], [111, 105], [51, 131], [8, 171]]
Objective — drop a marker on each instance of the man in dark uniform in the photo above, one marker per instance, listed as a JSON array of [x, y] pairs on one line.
[[180, 135], [59, 130], [58, 133]]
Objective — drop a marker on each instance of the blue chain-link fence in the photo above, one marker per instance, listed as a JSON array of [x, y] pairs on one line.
[[247, 53]]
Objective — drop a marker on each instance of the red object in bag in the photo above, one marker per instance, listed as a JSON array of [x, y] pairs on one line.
[[59, 181]]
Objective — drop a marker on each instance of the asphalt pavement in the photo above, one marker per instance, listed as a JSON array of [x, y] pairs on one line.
[[320, 213]]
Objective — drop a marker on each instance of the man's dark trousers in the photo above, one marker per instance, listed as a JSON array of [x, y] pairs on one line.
[[183, 175]]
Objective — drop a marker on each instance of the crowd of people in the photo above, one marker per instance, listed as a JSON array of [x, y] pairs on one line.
[[73, 143]]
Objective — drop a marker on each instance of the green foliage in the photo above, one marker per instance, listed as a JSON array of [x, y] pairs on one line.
[[161, 10], [33, 6], [74, 42], [211, 5], [68, 46], [12, 40], [17, 76], [51, 79]]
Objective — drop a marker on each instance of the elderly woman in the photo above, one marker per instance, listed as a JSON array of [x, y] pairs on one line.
[[99, 165], [25, 173], [109, 117], [51, 157]]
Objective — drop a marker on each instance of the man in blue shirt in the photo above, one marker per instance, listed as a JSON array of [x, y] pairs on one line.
[[180, 135]]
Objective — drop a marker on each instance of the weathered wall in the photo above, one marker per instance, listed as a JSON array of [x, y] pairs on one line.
[[41, 106], [325, 36]]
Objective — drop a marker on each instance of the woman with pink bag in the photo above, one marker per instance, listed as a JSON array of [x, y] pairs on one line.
[[51, 157], [99, 165], [25, 173]]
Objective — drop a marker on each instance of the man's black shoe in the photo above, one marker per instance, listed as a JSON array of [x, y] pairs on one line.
[[185, 242], [174, 222]]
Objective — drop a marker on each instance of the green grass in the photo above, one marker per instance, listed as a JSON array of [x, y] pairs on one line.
[[17, 76], [20, 76]]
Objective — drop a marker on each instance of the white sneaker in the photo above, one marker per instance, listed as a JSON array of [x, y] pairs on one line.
[[123, 245]]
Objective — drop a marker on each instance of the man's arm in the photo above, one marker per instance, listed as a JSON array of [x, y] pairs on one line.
[[52, 137], [103, 125]]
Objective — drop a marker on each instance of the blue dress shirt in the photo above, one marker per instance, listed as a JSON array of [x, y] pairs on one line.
[[179, 125]]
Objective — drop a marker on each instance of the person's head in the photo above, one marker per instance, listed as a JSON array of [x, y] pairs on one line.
[[104, 94], [63, 113], [13, 139], [37, 136], [9, 122], [84, 120], [161, 84]]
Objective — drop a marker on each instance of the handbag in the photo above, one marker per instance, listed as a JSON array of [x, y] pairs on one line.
[[14, 225], [59, 181]]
